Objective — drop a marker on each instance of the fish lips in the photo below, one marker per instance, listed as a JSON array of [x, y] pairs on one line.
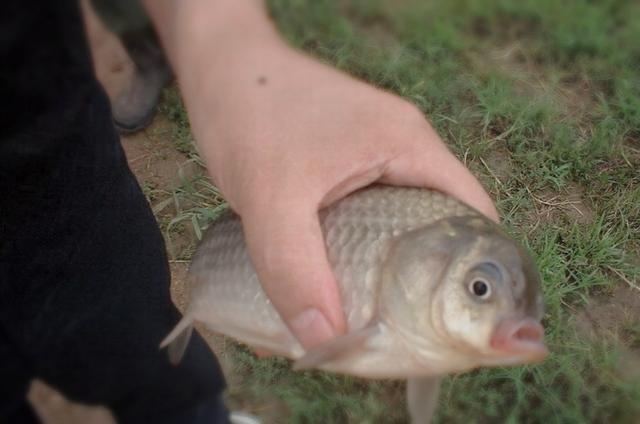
[[521, 339]]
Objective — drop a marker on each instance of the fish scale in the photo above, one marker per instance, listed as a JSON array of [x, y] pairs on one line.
[[356, 231]]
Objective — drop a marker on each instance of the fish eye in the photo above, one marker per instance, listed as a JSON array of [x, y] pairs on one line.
[[481, 279], [480, 288]]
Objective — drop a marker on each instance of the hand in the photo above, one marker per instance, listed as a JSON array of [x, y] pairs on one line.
[[284, 136], [295, 137]]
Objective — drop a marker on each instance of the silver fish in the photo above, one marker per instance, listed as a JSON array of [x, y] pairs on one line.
[[429, 286]]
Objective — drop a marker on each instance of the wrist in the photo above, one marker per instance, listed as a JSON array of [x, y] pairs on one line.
[[200, 34]]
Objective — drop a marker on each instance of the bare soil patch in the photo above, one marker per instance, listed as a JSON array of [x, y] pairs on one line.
[[616, 319]]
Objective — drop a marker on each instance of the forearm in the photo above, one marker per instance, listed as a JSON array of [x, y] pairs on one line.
[[207, 37]]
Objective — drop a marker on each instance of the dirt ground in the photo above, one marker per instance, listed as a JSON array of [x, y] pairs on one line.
[[156, 163]]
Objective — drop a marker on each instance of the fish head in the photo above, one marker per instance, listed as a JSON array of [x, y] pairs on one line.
[[463, 294]]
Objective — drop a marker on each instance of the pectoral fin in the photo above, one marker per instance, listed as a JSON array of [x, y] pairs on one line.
[[339, 346], [177, 341], [422, 398]]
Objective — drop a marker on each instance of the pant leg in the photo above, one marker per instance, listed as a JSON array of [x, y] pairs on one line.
[[86, 297], [16, 375], [84, 281]]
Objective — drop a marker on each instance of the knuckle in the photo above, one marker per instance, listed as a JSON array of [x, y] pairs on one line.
[[413, 112]]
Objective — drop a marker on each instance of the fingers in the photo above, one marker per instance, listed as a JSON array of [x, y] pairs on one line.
[[288, 251], [436, 167]]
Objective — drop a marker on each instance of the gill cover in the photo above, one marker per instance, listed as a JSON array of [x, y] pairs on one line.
[[415, 266]]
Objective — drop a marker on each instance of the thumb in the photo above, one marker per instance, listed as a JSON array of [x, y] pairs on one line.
[[287, 248], [439, 169]]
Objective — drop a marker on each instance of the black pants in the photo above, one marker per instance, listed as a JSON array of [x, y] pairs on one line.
[[84, 281]]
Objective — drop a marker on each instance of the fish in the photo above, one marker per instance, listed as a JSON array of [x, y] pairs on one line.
[[429, 287]]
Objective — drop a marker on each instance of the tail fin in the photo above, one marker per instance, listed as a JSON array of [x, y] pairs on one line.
[[178, 339]]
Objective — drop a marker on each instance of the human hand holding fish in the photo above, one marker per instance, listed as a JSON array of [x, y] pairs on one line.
[[298, 154], [285, 136]]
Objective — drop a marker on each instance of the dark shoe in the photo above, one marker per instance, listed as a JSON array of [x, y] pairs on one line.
[[134, 108]]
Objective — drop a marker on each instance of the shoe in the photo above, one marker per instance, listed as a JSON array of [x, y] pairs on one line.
[[133, 109]]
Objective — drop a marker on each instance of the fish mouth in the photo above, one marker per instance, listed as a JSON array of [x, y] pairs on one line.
[[520, 339]]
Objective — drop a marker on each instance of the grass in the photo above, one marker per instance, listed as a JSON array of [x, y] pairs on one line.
[[541, 99]]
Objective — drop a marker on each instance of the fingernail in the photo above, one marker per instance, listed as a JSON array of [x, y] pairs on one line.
[[311, 328]]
